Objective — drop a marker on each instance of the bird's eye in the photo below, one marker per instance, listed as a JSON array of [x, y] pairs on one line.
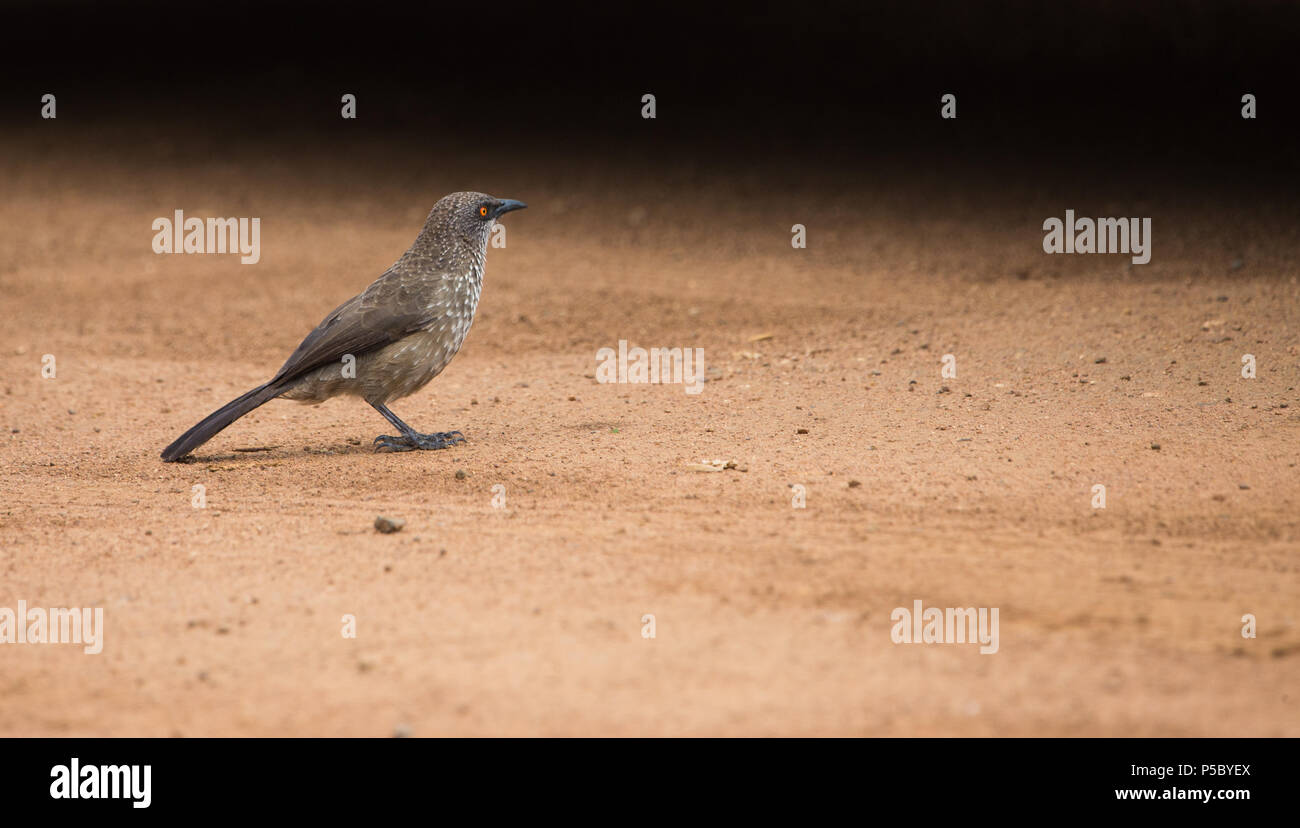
[[482, 211]]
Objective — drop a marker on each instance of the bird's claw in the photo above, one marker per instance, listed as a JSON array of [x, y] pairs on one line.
[[422, 442]]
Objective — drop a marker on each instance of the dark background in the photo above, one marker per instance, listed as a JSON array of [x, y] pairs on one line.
[[1110, 85]]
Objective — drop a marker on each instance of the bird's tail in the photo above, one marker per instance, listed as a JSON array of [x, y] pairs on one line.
[[208, 427]]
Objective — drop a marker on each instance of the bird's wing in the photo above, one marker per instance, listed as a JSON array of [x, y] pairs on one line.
[[394, 306]]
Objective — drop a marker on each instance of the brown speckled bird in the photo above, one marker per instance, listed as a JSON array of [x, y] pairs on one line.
[[390, 340]]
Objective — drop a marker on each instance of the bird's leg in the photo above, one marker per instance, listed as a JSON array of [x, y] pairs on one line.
[[412, 439]]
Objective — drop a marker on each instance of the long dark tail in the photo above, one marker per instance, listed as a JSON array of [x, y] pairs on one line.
[[208, 427]]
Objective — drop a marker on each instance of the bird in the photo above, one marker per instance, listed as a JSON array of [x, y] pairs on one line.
[[390, 340]]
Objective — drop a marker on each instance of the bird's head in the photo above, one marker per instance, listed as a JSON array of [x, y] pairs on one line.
[[473, 214]]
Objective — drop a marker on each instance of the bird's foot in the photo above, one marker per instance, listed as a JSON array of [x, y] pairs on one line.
[[421, 442]]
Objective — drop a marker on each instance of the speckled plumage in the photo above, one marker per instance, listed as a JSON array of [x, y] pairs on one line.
[[402, 330], [407, 325]]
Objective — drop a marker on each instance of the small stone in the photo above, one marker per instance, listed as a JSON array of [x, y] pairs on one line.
[[460, 474], [1155, 447], [853, 484], [388, 525], [801, 431]]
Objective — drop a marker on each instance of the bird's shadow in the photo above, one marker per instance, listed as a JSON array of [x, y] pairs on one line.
[[279, 453]]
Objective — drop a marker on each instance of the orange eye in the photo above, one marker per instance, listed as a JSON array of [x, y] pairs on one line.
[[482, 211]]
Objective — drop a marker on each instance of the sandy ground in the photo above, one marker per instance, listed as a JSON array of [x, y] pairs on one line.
[[975, 491]]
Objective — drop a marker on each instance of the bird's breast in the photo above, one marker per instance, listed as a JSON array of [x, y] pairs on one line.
[[404, 367]]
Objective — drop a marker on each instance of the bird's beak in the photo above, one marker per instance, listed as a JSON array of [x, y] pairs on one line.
[[507, 205]]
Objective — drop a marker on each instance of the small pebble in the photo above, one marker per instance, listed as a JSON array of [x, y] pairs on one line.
[[388, 525]]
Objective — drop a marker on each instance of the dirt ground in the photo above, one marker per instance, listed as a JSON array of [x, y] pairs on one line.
[[824, 371]]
